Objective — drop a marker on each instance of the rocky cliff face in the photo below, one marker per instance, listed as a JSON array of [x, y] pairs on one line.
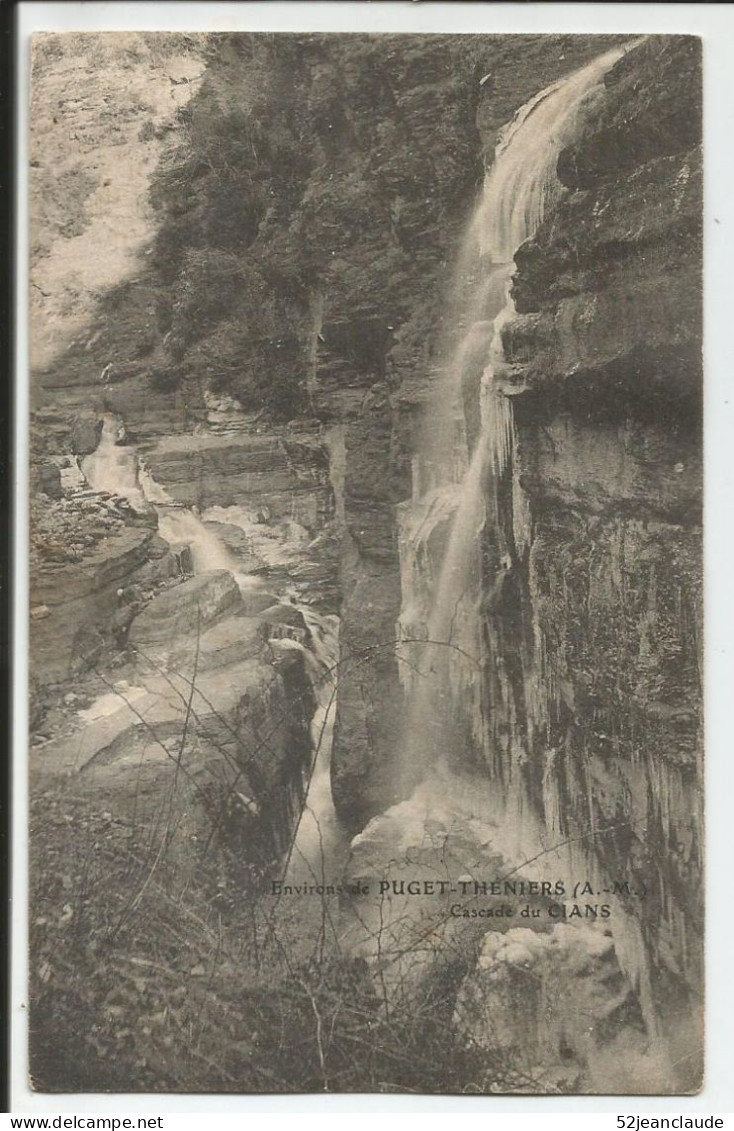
[[202, 697], [103, 109], [79, 581], [103, 112], [288, 475], [599, 637], [585, 729], [115, 614], [375, 352]]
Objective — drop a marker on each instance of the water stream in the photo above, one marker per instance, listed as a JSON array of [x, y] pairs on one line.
[[455, 487], [116, 467], [457, 481], [464, 460]]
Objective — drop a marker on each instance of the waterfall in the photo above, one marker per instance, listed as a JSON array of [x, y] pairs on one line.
[[117, 468], [460, 537], [113, 466], [456, 481], [320, 843], [208, 552], [522, 184]]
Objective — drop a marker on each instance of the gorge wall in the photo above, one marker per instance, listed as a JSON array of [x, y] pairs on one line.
[[602, 636], [584, 727]]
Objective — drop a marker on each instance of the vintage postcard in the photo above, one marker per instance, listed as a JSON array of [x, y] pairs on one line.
[[365, 594]]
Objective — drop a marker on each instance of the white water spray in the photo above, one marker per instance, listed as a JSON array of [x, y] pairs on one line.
[[113, 466], [445, 673], [519, 188], [320, 845], [116, 467], [522, 183]]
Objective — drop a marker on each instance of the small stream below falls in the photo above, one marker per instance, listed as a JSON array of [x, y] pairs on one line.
[[319, 848]]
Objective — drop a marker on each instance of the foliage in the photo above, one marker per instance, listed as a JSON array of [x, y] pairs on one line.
[[161, 963], [341, 167], [308, 164], [314, 183], [144, 983]]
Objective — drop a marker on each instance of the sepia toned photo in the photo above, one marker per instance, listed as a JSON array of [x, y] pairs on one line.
[[365, 433]]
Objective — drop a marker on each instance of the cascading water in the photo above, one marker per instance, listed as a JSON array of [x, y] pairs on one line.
[[522, 183], [447, 588], [113, 466], [116, 468], [320, 843], [440, 528]]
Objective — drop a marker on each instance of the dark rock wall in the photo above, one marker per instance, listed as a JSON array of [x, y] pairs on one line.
[[307, 209], [599, 644], [419, 146], [288, 475]]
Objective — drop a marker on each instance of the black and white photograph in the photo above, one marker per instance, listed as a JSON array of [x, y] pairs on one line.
[[366, 603]]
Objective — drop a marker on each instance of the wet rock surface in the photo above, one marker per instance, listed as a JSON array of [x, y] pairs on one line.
[[370, 695], [609, 290], [559, 1007], [283, 475], [602, 668], [79, 589], [199, 727], [85, 433], [586, 726], [190, 608]]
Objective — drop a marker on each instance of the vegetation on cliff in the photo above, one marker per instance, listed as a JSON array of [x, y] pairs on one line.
[[314, 200], [166, 963], [310, 203]]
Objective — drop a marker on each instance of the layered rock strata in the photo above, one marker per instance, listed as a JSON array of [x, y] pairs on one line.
[[595, 649]]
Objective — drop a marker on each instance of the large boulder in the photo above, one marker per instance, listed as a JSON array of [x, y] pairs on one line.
[[195, 750], [86, 430], [278, 475], [50, 480], [255, 600], [79, 599], [230, 641], [186, 610], [399, 918]]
